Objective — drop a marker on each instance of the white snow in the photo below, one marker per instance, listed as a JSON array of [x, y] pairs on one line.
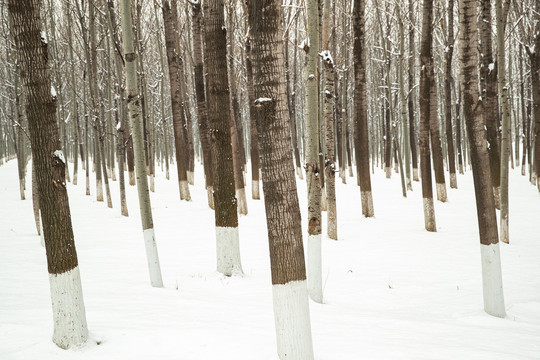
[[491, 67], [262, 99], [43, 37], [391, 289], [53, 91], [59, 155]]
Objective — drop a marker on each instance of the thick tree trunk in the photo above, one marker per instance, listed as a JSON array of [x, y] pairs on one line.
[[227, 239], [361, 135], [427, 83], [134, 110], [291, 307], [485, 204], [490, 103], [69, 319]]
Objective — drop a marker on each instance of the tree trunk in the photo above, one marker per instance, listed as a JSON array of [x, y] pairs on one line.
[[254, 149], [227, 239], [361, 135], [202, 112], [427, 83], [69, 319], [410, 96], [448, 80], [170, 20], [134, 110], [488, 84], [291, 306], [312, 154], [485, 204]]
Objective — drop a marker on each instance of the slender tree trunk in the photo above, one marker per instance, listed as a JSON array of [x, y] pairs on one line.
[[410, 96], [134, 110], [427, 83], [361, 141], [448, 95], [289, 290], [254, 149], [227, 238], [69, 319], [313, 170], [202, 112], [485, 204]]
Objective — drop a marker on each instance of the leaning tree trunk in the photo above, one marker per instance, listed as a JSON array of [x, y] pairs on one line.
[[134, 110], [227, 238], [485, 204], [426, 84], [361, 141], [69, 318], [289, 289]]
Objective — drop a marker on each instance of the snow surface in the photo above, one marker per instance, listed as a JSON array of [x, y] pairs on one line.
[[391, 289]]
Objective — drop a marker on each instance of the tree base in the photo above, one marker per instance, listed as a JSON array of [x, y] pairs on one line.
[[314, 270], [492, 280], [228, 251]]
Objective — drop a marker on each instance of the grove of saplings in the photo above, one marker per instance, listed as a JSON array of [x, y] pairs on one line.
[[113, 89]]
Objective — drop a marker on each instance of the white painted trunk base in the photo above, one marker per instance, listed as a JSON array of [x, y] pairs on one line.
[[367, 203], [152, 258], [453, 181], [350, 172], [184, 190], [441, 192], [415, 174], [228, 251], [429, 215], [191, 178], [292, 319], [99, 190], [497, 197], [41, 234], [132, 178], [152, 184], [492, 280], [69, 317], [242, 201], [255, 192], [210, 194], [314, 274], [300, 173], [324, 205], [388, 171]]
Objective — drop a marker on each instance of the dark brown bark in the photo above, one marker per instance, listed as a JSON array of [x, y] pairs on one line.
[[170, 19], [254, 149], [281, 199], [488, 84], [361, 135], [44, 136], [426, 84], [219, 114], [472, 111]]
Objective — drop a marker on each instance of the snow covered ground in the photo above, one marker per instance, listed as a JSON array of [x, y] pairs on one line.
[[391, 289]]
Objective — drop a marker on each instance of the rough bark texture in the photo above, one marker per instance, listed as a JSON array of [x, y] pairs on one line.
[[219, 114], [48, 159], [361, 135], [426, 84], [488, 84], [254, 148]]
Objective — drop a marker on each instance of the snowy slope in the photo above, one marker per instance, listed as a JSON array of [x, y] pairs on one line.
[[392, 290]]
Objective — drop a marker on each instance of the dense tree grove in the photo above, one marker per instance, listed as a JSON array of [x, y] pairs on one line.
[[326, 89]]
